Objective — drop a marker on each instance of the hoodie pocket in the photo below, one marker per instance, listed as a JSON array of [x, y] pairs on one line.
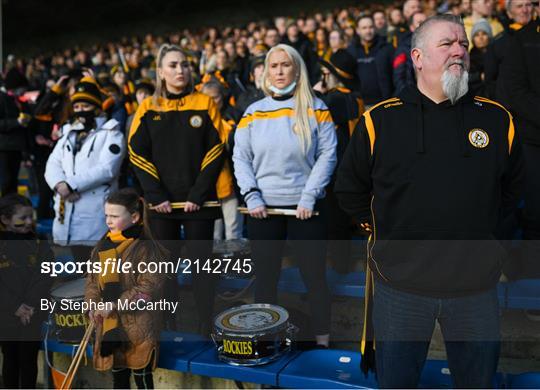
[[440, 261]]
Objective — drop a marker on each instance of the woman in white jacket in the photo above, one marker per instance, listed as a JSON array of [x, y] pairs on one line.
[[82, 169]]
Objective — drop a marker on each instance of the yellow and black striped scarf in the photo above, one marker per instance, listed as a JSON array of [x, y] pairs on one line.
[[112, 248]]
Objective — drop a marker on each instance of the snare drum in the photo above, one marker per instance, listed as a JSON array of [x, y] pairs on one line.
[[69, 325], [255, 334]]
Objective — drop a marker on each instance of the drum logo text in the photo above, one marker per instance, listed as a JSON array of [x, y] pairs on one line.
[[238, 347], [70, 320]]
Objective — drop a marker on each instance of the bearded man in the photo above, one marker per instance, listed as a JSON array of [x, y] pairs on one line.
[[433, 174]]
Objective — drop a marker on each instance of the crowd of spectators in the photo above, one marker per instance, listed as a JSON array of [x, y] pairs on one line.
[[229, 59]]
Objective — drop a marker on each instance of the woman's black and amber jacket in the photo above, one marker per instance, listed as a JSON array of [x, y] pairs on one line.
[[175, 148]]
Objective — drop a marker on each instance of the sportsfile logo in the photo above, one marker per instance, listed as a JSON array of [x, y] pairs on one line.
[[119, 266]]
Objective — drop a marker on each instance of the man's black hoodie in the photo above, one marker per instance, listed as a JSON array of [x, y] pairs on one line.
[[435, 200]]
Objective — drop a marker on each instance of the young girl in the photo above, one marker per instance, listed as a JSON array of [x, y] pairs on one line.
[[21, 288], [125, 341]]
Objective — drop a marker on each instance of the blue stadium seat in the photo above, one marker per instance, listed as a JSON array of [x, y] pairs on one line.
[[291, 281], [435, 375], [523, 294], [351, 284], [178, 349], [207, 363], [326, 368], [69, 349], [233, 282], [529, 380]]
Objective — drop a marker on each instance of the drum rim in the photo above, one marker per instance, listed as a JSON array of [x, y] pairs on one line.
[[54, 291], [281, 324]]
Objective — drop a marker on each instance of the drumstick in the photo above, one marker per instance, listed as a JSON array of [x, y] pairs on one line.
[[70, 369], [74, 366], [275, 211], [68, 379], [181, 205], [80, 353]]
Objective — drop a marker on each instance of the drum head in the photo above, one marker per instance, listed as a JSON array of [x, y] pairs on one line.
[[250, 319], [70, 290]]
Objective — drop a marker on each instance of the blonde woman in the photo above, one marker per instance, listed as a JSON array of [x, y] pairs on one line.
[[284, 156], [177, 153]]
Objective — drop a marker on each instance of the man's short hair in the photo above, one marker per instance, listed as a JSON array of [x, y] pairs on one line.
[[362, 17], [419, 34]]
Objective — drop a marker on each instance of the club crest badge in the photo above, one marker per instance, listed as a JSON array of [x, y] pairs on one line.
[[195, 121], [478, 138]]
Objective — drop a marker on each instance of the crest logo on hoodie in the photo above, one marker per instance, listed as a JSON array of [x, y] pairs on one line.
[[195, 121], [478, 138]]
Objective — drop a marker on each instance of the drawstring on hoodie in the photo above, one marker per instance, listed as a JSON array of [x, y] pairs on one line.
[[460, 129]]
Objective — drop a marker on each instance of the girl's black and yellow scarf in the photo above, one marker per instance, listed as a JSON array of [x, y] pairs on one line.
[[113, 246]]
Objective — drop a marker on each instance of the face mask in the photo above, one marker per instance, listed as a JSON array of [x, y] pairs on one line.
[[87, 118], [284, 91]]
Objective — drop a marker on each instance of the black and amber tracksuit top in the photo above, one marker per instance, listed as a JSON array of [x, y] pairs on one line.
[[176, 150], [437, 182], [346, 108]]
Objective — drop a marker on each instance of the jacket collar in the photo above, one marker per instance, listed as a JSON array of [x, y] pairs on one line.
[[411, 94], [101, 124]]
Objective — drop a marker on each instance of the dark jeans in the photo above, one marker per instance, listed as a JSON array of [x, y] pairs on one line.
[[10, 163], [199, 235], [404, 325], [19, 369], [308, 241]]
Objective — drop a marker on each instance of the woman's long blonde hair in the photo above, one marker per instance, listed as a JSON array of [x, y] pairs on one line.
[[161, 87], [303, 94]]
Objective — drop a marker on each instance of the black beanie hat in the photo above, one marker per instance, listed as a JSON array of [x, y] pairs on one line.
[[87, 90]]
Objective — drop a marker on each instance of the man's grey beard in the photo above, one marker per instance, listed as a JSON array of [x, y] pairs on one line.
[[455, 86]]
